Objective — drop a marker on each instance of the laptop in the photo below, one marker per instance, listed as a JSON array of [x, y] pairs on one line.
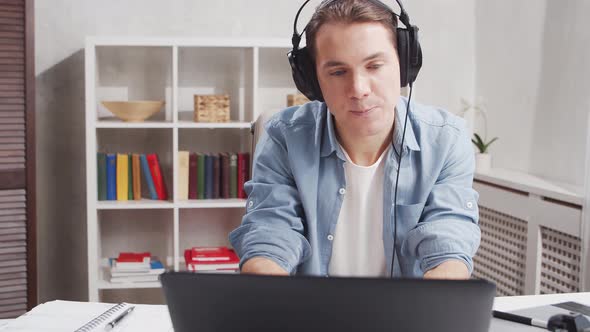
[[232, 302]]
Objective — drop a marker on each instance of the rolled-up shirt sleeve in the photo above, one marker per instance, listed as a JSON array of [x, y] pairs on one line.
[[448, 227], [272, 226]]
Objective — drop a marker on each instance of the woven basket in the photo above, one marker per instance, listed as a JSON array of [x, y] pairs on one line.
[[296, 99], [211, 108]]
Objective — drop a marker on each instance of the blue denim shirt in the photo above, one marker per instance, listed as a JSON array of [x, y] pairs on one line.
[[294, 197]]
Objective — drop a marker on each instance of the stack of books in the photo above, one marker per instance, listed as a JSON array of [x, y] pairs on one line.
[[212, 176], [135, 267], [120, 174], [211, 260]]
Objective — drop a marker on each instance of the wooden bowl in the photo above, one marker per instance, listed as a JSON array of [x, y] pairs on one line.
[[134, 111]]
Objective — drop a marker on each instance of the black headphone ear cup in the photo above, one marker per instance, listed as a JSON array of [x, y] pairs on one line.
[[410, 55], [403, 55], [304, 74]]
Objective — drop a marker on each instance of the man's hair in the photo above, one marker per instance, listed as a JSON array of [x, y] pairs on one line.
[[348, 12]]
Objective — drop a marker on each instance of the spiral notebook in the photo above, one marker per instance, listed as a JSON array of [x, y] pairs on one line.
[[90, 317]]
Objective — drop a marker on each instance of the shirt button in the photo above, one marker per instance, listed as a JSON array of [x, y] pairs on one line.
[[250, 204], [342, 191], [330, 237], [469, 205]]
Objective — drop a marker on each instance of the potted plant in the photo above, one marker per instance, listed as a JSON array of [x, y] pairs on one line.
[[483, 160]]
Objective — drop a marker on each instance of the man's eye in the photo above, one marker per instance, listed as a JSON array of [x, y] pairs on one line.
[[337, 73], [375, 66]]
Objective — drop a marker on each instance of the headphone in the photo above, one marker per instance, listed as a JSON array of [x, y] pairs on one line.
[[408, 50], [410, 61]]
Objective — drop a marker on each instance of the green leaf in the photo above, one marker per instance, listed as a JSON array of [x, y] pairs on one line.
[[479, 146], [479, 140], [490, 142]]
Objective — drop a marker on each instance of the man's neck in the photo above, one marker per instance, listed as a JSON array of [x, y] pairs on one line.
[[364, 151]]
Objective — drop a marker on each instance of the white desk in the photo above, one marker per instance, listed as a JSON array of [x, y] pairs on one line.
[[509, 303], [505, 304]]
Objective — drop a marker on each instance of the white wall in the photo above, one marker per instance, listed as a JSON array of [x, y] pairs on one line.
[[508, 61], [532, 70], [563, 102], [447, 35]]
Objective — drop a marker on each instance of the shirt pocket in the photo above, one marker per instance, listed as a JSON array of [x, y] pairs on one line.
[[408, 215]]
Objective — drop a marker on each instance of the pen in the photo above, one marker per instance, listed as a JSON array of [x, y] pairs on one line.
[[519, 319], [119, 318]]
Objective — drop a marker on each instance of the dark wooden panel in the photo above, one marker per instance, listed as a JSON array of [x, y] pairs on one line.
[[11, 42], [9, 100], [11, 114], [11, 61], [13, 3], [6, 147], [5, 14], [12, 21], [7, 53], [14, 275], [12, 94], [12, 68], [13, 48], [12, 34], [9, 107], [12, 27], [12, 80], [11, 74], [12, 87], [12, 179]]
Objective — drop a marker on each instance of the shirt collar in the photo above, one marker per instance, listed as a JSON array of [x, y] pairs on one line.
[[330, 143]]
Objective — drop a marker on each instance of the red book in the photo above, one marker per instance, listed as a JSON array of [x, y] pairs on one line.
[[192, 176], [243, 172], [204, 254], [133, 257], [159, 184], [230, 264]]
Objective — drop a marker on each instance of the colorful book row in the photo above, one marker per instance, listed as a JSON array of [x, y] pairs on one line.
[[119, 177], [212, 176]]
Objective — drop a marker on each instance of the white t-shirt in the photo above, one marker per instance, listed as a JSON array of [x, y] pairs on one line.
[[358, 240]]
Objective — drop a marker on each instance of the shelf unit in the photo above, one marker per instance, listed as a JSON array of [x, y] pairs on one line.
[[256, 75]]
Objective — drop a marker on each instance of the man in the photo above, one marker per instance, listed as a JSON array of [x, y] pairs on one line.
[[321, 199]]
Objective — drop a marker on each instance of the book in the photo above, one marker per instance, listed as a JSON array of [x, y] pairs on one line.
[[211, 254], [134, 257], [233, 175], [216, 176], [183, 174], [192, 176], [137, 278], [111, 172], [224, 182], [156, 267], [243, 171], [101, 170], [136, 177], [208, 176], [130, 180], [232, 264], [200, 176], [148, 177], [122, 174], [91, 316], [157, 176]]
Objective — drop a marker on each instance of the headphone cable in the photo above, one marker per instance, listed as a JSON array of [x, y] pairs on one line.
[[399, 162]]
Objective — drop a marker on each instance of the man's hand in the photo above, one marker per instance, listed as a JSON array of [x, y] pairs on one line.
[[451, 269], [262, 265]]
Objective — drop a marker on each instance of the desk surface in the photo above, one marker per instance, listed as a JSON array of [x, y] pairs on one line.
[[509, 303]]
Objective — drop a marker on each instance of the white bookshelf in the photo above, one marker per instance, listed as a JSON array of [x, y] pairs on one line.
[[256, 75]]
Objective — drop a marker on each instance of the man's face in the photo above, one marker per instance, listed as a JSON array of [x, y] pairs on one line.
[[358, 72]]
